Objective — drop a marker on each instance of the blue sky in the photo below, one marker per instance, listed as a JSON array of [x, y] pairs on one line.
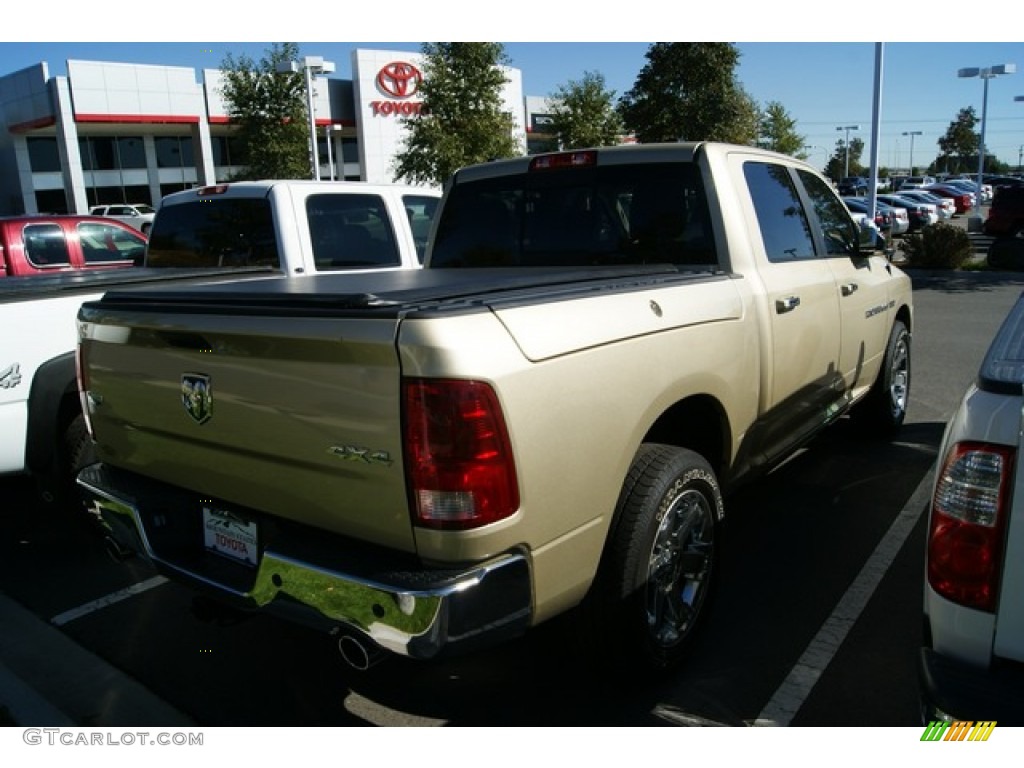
[[821, 84]]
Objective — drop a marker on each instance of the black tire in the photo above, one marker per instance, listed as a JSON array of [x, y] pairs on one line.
[[653, 592], [78, 447], [76, 451], [884, 409], [1007, 252]]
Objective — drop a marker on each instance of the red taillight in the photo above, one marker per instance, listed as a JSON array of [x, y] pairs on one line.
[[218, 189], [563, 160], [459, 464], [968, 523]]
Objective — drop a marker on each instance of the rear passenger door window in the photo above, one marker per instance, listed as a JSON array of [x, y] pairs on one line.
[[351, 232], [102, 243], [46, 246]]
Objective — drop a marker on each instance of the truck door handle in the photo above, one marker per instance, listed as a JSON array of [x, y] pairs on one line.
[[848, 289], [788, 304]]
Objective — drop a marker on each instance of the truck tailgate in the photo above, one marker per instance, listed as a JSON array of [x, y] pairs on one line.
[[289, 415]]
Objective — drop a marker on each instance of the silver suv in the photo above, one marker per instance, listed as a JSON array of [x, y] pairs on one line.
[[972, 662], [138, 215]]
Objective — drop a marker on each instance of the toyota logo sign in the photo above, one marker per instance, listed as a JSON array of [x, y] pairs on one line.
[[399, 79]]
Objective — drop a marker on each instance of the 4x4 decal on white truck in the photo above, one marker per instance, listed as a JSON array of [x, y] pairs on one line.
[[10, 377]]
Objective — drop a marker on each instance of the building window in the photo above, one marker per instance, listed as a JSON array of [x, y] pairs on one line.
[[51, 201], [174, 152], [43, 155], [350, 150], [228, 151], [104, 153], [131, 152]]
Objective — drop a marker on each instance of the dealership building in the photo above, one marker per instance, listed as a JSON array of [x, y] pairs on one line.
[[111, 132]]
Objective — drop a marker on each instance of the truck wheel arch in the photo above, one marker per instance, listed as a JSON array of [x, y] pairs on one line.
[[52, 405]]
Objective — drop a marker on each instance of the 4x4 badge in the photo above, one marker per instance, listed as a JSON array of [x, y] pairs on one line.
[[197, 396]]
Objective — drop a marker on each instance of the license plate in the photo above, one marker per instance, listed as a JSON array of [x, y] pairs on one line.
[[230, 535]]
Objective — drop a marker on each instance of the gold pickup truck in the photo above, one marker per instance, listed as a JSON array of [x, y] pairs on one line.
[[547, 417]]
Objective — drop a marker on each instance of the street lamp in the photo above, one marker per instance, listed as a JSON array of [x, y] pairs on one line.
[[847, 128], [912, 134], [986, 74], [310, 65]]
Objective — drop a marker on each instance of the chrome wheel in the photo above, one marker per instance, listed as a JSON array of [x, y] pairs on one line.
[[899, 378], [679, 568]]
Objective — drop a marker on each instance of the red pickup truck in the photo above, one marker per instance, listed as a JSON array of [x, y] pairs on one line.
[[39, 244]]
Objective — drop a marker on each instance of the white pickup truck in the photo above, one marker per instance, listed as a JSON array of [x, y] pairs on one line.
[[299, 227], [971, 665], [548, 416]]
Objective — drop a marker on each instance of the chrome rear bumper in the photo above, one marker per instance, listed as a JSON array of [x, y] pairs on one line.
[[316, 578]]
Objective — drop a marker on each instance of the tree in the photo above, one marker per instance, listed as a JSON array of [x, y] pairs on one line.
[[583, 114], [463, 119], [836, 168], [268, 111], [688, 91], [778, 131], [959, 146]]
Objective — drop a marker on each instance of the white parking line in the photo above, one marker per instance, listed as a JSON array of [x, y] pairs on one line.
[[797, 686], [114, 597]]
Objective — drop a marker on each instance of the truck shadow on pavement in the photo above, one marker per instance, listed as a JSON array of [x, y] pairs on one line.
[[795, 540]]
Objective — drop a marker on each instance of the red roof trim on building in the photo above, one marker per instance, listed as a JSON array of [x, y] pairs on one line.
[[98, 118], [320, 122], [31, 125]]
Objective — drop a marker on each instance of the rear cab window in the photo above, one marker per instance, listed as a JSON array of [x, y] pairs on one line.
[[214, 232], [620, 214]]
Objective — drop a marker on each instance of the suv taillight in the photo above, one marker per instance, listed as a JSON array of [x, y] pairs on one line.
[[459, 464], [968, 523]]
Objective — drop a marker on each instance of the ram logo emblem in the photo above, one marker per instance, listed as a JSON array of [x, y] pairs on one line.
[[197, 396]]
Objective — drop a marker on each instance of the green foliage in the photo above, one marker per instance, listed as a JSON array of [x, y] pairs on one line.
[[463, 119], [688, 91], [960, 143], [778, 131], [583, 114], [836, 168], [940, 246], [269, 114]]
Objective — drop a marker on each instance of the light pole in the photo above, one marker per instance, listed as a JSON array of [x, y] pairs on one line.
[[912, 134], [329, 133], [847, 128], [986, 74], [310, 65]]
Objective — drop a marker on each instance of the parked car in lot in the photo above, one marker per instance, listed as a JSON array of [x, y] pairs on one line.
[[44, 244], [137, 215], [944, 206], [882, 219], [971, 665], [914, 182], [852, 186], [961, 199], [919, 214]]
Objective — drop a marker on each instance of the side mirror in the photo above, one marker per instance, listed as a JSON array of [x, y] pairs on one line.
[[871, 241]]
